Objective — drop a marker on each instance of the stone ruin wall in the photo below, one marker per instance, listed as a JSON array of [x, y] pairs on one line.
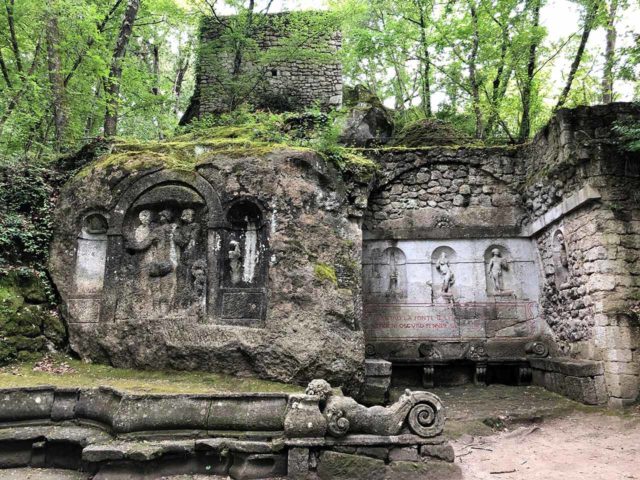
[[573, 194], [303, 83], [590, 253]]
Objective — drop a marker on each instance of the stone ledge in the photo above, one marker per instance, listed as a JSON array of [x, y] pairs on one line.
[[581, 197], [568, 366]]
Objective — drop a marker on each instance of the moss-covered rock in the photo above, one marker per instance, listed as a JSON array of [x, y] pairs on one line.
[[427, 133], [27, 321]]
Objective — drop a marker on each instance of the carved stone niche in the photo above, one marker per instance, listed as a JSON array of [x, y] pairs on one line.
[[443, 277], [385, 275], [245, 259], [161, 263], [164, 262], [91, 255], [560, 258], [498, 272]]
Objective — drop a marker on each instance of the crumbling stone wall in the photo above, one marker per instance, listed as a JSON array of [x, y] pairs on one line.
[[453, 187], [582, 188], [574, 193], [289, 84]]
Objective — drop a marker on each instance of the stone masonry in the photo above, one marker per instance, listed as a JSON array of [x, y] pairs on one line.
[[297, 83], [571, 193]]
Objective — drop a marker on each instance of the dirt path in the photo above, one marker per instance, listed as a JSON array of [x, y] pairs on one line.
[[576, 447]]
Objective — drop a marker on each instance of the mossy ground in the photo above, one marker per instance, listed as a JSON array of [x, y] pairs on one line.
[[203, 145], [93, 375]]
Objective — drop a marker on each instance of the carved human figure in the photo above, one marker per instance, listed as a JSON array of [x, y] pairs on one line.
[[393, 281], [235, 262], [497, 265], [443, 267], [199, 277], [143, 230], [162, 269], [185, 237]]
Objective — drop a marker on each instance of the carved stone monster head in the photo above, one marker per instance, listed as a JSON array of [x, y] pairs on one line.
[[320, 388]]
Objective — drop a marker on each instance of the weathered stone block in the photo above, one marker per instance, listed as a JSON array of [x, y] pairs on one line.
[[441, 452], [342, 466], [298, 463], [404, 454]]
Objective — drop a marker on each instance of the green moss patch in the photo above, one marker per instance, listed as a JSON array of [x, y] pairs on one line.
[[256, 136], [325, 272], [27, 321], [90, 375]]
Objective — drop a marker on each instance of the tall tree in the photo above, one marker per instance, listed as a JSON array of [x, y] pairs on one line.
[[591, 11], [56, 77], [112, 82], [610, 52], [527, 85]]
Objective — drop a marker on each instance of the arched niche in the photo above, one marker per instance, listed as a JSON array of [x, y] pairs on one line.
[[245, 263], [560, 258], [498, 271], [393, 271], [161, 260], [246, 243], [443, 275], [91, 253]]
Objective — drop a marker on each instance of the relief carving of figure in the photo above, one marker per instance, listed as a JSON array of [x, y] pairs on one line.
[[199, 275], [496, 266], [162, 268], [443, 267], [393, 281], [185, 237], [235, 262]]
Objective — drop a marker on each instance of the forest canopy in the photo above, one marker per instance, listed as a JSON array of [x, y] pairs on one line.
[[72, 71]]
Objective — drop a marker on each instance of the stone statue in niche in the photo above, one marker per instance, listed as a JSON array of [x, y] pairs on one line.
[[235, 262], [393, 282], [496, 267], [560, 259], [166, 274], [444, 269], [199, 277]]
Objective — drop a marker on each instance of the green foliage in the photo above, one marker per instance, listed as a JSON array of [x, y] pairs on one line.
[[27, 196], [630, 135]]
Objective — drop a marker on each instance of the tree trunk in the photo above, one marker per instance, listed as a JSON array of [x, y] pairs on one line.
[[13, 103], [609, 54], [56, 80], [13, 38], [499, 87], [426, 66], [473, 79], [183, 67], [112, 82], [527, 87], [586, 31]]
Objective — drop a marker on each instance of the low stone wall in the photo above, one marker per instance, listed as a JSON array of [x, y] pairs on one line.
[[579, 380], [115, 435]]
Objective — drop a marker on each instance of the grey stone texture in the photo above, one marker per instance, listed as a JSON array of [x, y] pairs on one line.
[[190, 291], [297, 82], [116, 435], [570, 196]]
